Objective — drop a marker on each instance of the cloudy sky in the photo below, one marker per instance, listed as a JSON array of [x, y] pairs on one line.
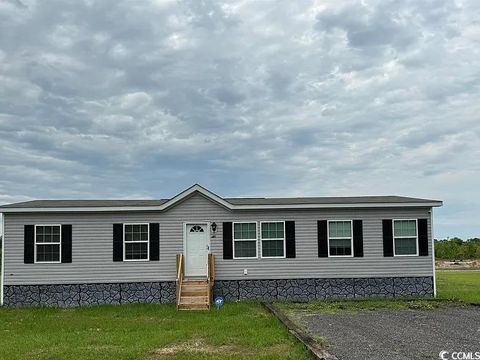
[[124, 99]]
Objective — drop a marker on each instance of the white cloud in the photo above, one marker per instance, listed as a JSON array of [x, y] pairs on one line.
[[121, 99], [135, 100]]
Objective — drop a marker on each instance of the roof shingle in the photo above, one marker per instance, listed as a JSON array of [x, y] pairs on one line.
[[234, 201]]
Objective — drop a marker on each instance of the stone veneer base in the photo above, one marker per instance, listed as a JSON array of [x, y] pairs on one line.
[[322, 289], [231, 290], [89, 294]]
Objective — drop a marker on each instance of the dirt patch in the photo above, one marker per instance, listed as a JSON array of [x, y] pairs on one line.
[[457, 264], [192, 346], [199, 346]]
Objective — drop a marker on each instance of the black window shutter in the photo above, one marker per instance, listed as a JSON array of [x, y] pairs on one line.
[[387, 237], [290, 238], [66, 243], [322, 238], [28, 244], [227, 241], [422, 237], [154, 242], [117, 242], [358, 238]]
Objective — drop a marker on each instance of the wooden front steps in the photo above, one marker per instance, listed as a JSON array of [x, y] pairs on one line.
[[194, 295]]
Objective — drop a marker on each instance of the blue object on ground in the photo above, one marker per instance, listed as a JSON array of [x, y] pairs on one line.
[[218, 302]]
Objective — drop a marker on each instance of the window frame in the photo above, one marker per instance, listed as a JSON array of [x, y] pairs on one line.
[[48, 243], [256, 239], [132, 241], [405, 237], [334, 237], [284, 240]]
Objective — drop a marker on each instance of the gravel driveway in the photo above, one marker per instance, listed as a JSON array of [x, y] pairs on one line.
[[398, 334]]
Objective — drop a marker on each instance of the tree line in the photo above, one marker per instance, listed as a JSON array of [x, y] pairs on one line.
[[457, 249]]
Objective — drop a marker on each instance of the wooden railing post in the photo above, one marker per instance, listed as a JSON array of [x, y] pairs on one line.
[[180, 274], [211, 276]]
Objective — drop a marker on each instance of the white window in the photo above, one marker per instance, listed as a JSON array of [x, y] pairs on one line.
[[340, 239], [136, 242], [405, 237], [273, 239], [48, 240], [245, 240], [196, 228]]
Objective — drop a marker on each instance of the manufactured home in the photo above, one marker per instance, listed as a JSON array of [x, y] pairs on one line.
[[198, 245]]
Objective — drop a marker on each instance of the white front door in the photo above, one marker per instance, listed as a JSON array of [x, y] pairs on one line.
[[196, 249]]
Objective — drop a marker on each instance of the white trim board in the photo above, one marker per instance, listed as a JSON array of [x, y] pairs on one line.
[[433, 255], [2, 275]]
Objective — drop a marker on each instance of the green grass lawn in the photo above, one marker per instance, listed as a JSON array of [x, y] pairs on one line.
[[339, 306], [461, 285], [237, 331]]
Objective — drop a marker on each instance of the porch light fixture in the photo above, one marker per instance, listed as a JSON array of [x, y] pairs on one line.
[[214, 227]]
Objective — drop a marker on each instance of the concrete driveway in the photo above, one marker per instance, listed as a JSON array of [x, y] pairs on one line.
[[399, 334]]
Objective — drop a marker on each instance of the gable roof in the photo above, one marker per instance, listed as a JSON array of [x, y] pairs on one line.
[[229, 203]]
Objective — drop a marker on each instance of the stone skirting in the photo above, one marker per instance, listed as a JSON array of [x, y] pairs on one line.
[[322, 289], [89, 294], [231, 290]]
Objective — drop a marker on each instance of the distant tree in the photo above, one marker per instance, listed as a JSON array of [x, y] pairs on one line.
[[456, 240], [456, 248]]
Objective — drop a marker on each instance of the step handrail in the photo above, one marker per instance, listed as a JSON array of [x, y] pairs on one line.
[[211, 276], [180, 275]]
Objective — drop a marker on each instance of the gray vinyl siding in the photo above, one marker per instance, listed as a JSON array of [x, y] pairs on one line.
[[92, 246]]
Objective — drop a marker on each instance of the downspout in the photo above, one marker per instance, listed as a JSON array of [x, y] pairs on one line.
[[433, 255], [2, 275]]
